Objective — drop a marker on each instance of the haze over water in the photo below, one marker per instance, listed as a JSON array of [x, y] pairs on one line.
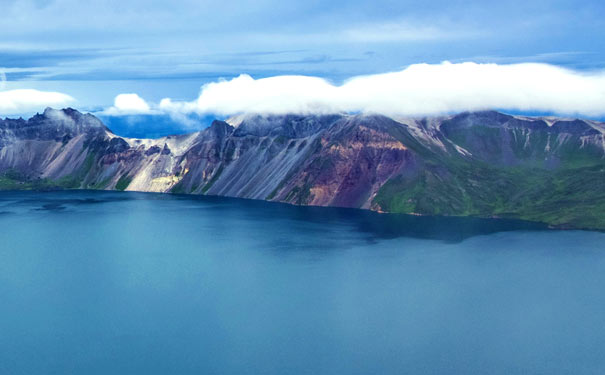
[[107, 282]]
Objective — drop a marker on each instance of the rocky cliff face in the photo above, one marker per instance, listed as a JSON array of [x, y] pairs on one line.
[[482, 163]]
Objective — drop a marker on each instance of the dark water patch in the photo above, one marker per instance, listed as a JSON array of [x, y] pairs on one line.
[[375, 225], [390, 226], [51, 207], [51, 200]]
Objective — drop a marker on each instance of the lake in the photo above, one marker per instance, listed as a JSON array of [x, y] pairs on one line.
[[127, 283]]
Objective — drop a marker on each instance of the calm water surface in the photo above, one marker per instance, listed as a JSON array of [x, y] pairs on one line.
[[128, 283]]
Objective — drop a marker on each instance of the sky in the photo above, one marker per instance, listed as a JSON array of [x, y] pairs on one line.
[[151, 57]]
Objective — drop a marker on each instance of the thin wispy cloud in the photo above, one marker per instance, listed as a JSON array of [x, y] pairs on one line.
[[405, 31], [388, 31], [2, 80]]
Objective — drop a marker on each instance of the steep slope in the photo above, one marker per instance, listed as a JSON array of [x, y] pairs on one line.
[[481, 163]]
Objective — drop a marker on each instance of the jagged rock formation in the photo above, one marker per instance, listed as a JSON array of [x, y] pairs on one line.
[[481, 163]]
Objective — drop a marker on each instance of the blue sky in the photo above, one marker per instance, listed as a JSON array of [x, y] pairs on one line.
[[95, 50]]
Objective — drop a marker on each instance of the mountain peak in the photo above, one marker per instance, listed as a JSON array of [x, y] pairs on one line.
[[220, 128], [70, 118], [289, 125]]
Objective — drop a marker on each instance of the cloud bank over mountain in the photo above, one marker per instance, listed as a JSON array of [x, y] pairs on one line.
[[420, 89], [28, 100]]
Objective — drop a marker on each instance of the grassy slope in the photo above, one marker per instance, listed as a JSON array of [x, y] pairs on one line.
[[570, 195], [14, 180], [11, 180], [567, 198]]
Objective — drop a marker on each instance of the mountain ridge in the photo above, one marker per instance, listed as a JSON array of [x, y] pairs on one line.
[[486, 163]]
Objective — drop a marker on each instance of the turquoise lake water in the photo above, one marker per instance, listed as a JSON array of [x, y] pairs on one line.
[[129, 283]]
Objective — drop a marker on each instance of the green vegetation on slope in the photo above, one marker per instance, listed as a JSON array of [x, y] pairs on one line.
[[123, 182], [567, 197], [212, 180], [13, 180]]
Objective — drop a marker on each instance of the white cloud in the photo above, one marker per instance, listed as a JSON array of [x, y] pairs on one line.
[[28, 100], [129, 104], [420, 89]]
